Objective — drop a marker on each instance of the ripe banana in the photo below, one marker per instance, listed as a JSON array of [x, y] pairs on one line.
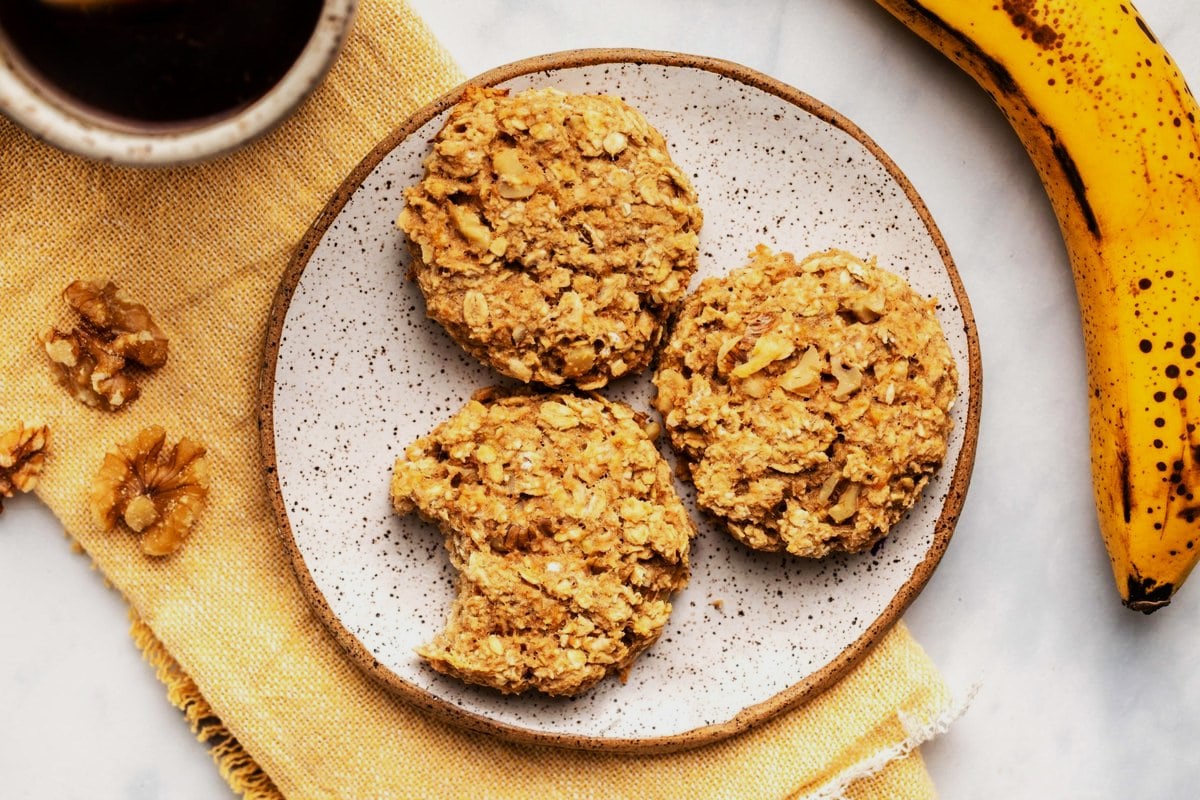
[[1112, 128]]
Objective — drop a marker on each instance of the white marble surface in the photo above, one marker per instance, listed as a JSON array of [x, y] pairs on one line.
[[1077, 697]]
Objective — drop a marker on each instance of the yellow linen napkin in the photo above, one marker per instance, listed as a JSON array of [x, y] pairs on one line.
[[224, 620]]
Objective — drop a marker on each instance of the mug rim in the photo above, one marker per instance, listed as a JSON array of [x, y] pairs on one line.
[[63, 124]]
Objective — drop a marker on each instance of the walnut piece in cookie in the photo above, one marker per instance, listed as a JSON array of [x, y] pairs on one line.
[[552, 235], [92, 360], [562, 519], [151, 489], [22, 455], [809, 401]]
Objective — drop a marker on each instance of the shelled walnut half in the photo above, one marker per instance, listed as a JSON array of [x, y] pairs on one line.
[[152, 489], [22, 454], [93, 359]]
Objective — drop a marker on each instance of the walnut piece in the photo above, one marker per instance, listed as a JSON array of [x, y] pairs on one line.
[[134, 334], [22, 454], [154, 490], [88, 369], [849, 378], [93, 359]]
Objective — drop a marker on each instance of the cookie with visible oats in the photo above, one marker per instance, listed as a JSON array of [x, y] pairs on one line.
[[808, 400], [562, 520], [552, 234]]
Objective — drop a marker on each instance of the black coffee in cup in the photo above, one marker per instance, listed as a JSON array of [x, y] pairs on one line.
[[162, 62]]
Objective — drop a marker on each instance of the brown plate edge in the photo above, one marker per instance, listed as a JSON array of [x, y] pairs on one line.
[[794, 695]]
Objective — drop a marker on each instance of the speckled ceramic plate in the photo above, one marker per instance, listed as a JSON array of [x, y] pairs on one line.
[[354, 371]]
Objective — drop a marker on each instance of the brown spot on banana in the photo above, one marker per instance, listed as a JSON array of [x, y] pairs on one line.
[[1147, 595], [1006, 85], [1075, 181], [1001, 77], [1125, 484], [1141, 23], [1023, 14]]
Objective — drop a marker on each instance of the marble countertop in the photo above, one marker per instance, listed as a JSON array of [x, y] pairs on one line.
[[1077, 697]]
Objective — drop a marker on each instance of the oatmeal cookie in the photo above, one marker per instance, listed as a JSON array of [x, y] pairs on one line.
[[562, 519], [552, 235], [809, 401]]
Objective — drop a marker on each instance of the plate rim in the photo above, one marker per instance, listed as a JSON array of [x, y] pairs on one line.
[[790, 697]]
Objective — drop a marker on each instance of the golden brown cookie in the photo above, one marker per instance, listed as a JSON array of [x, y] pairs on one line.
[[552, 234], [809, 401], [562, 519]]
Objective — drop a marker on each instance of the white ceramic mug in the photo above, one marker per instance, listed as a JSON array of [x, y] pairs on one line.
[[51, 117]]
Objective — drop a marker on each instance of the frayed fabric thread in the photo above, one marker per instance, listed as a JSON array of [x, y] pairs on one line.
[[236, 766], [916, 733]]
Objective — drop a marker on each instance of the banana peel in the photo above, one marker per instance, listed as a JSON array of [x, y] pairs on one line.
[[1112, 129]]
